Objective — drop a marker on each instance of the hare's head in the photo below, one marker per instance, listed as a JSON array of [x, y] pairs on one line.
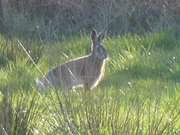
[[98, 50]]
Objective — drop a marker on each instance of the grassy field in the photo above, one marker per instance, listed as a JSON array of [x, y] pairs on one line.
[[140, 93]]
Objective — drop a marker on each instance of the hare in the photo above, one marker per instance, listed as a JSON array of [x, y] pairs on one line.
[[85, 71]]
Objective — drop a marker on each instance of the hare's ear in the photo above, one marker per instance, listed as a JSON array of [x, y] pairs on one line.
[[101, 36], [93, 35]]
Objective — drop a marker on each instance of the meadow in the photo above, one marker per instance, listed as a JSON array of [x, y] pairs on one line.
[[139, 94]]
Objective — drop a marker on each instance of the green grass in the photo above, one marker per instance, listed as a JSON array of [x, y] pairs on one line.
[[140, 93]]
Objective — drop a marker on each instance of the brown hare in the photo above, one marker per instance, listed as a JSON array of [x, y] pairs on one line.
[[85, 71]]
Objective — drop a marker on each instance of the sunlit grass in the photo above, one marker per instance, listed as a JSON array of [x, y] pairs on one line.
[[140, 93]]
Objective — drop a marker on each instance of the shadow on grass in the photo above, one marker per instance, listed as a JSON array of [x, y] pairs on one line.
[[125, 78], [175, 77]]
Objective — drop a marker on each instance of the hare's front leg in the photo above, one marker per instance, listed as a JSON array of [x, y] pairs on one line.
[[88, 84]]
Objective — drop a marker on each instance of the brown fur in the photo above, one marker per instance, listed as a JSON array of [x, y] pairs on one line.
[[86, 71]]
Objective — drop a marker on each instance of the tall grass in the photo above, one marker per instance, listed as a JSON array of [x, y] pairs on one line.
[[19, 113], [106, 113], [140, 93]]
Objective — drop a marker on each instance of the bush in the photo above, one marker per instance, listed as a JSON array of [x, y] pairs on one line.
[[47, 19]]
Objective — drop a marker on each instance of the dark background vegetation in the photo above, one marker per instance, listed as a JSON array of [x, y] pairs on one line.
[[50, 19]]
